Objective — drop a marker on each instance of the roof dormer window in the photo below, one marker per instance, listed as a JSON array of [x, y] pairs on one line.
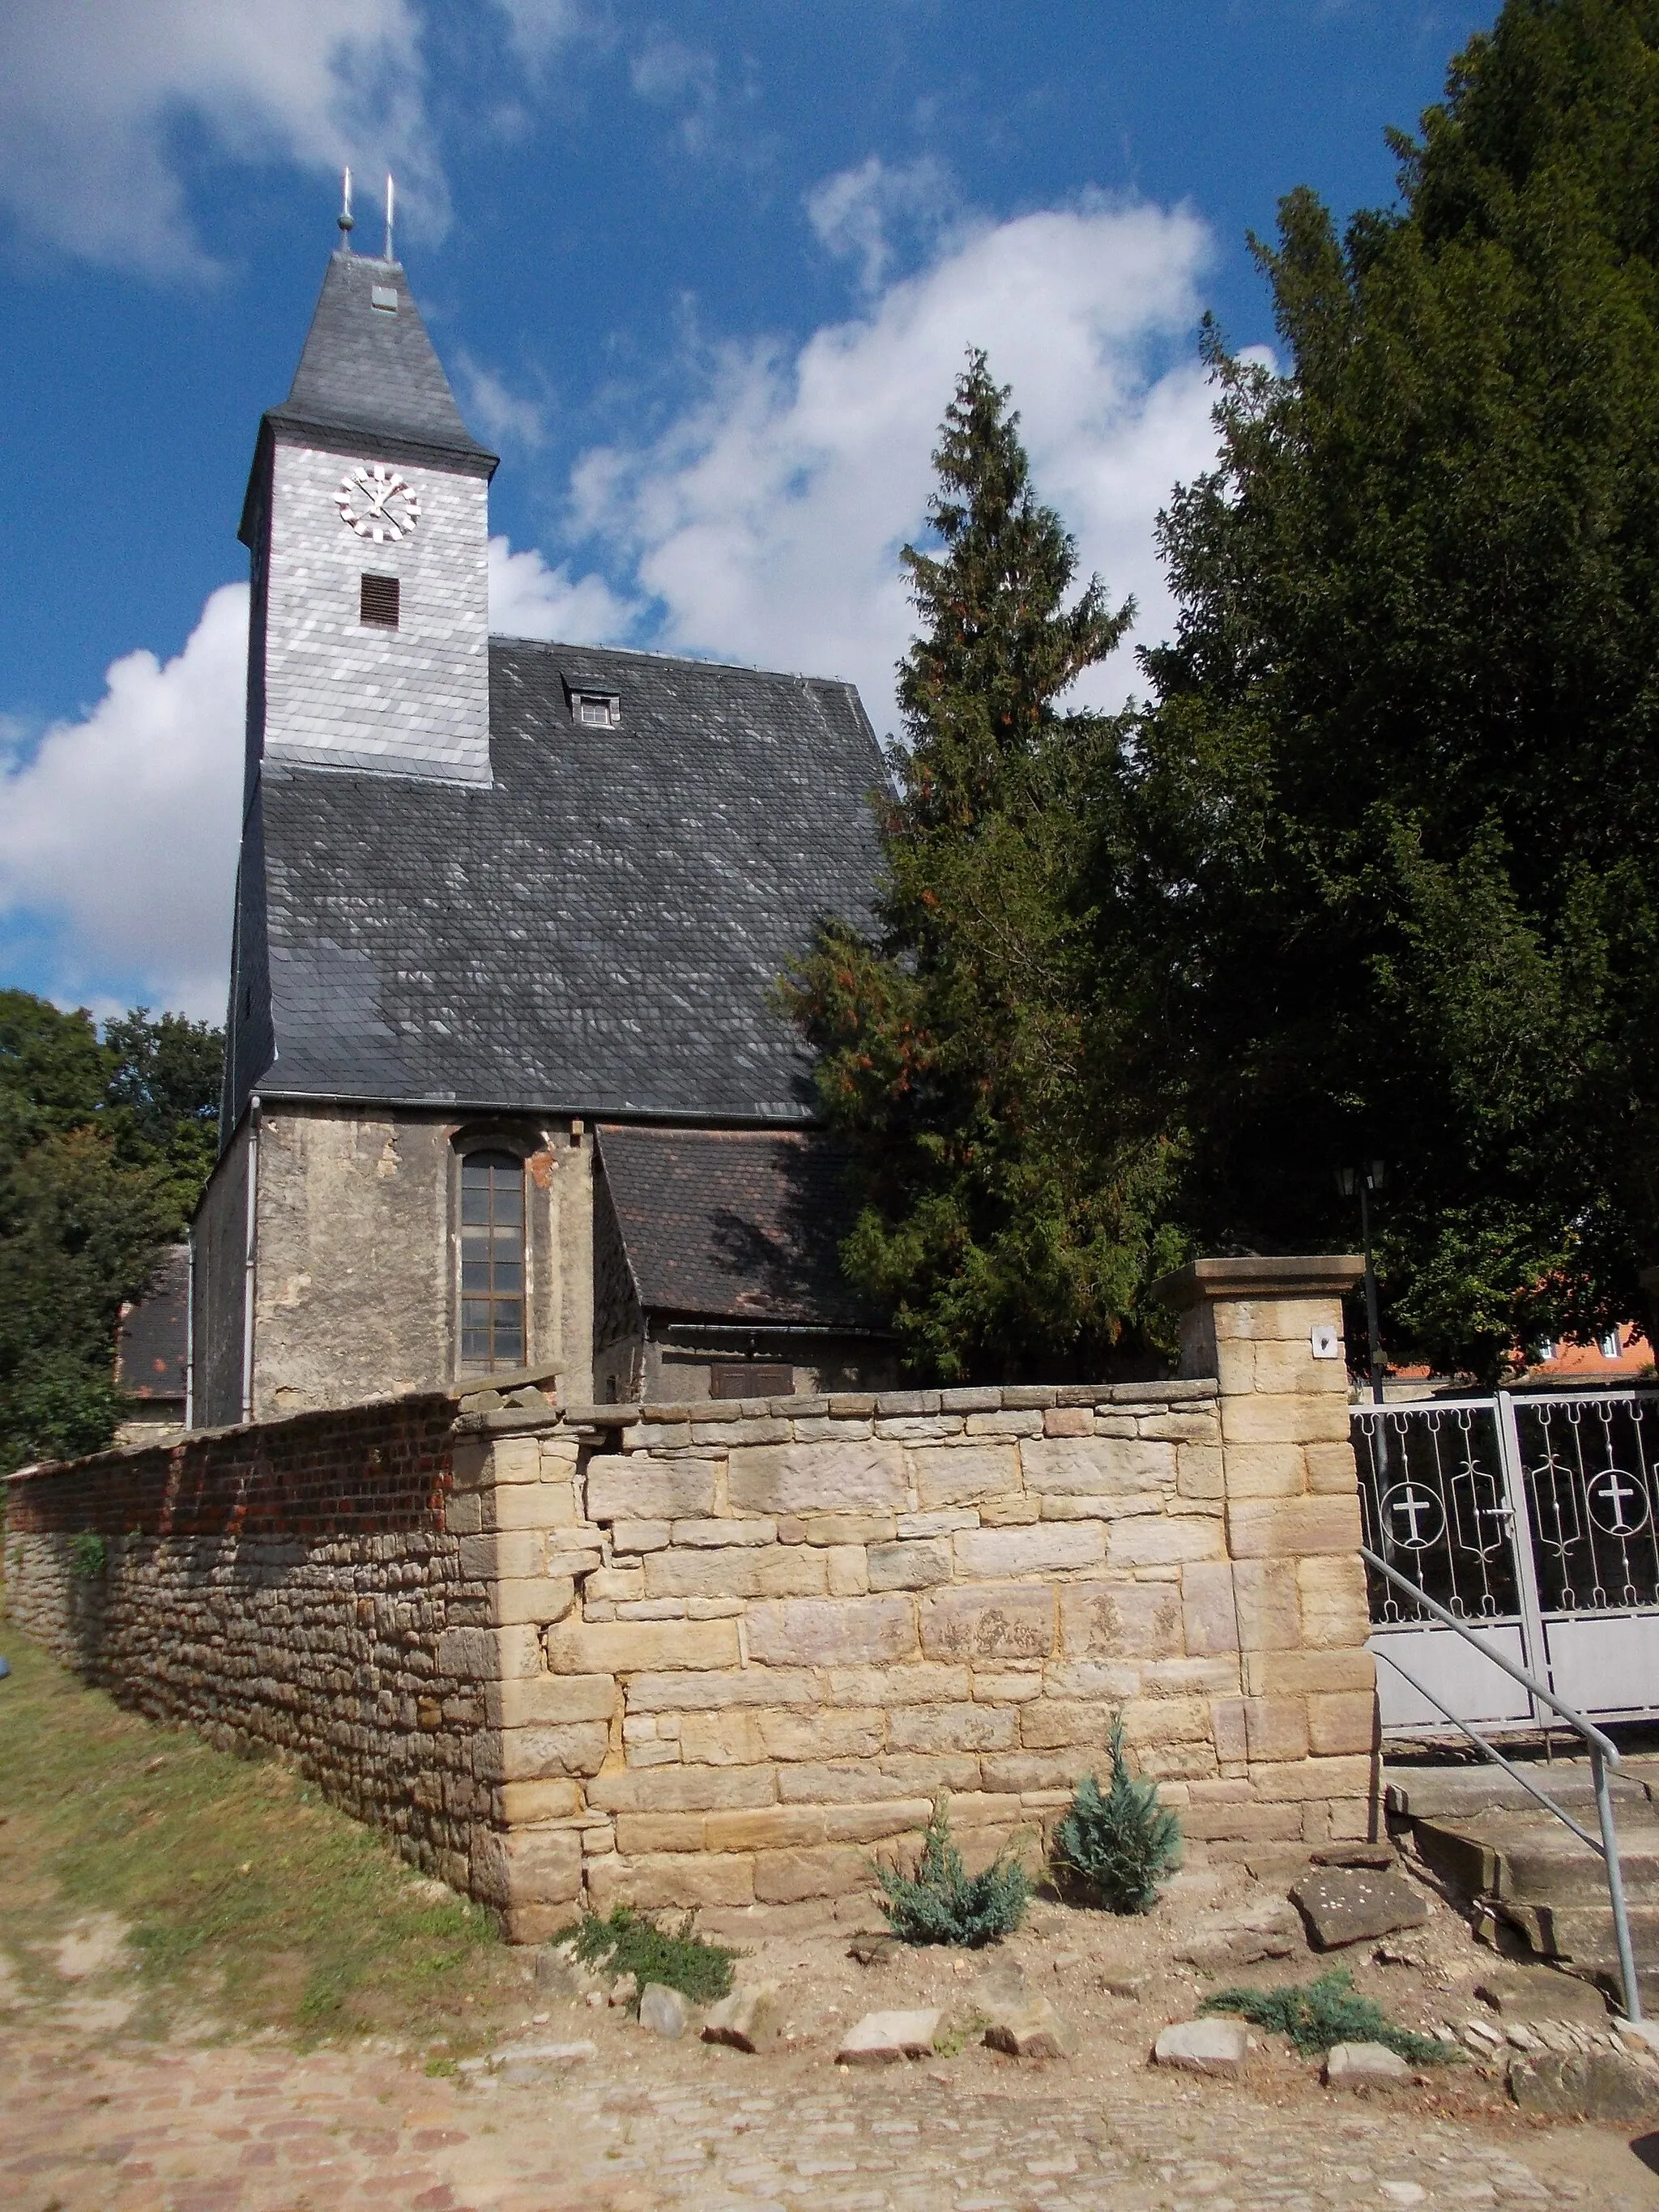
[[597, 710], [384, 297]]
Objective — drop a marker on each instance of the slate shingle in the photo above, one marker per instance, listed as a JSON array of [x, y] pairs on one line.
[[597, 933], [372, 372], [152, 1342], [736, 1224]]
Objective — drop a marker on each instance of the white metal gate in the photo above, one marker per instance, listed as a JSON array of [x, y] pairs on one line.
[[1535, 1518]]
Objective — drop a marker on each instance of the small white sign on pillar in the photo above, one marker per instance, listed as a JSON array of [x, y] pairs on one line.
[[1327, 1341]]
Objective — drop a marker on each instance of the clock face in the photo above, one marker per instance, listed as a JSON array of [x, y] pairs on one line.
[[377, 503]]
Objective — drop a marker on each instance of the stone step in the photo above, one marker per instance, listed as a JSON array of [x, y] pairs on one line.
[[1536, 1861], [1584, 1933], [1465, 1791]]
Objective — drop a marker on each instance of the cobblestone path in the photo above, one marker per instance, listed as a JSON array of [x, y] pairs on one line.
[[257, 2130]]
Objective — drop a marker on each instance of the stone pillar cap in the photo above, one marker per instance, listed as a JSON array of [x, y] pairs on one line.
[[1292, 1275]]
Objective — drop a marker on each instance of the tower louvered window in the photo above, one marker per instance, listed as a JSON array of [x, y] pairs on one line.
[[377, 605], [492, 1261]]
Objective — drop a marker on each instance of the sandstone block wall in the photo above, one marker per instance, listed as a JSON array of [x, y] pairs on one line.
[[740, 1648]]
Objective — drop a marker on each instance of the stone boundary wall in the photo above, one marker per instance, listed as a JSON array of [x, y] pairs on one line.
[[287, 1586], [720, 1655], [742, 1647]]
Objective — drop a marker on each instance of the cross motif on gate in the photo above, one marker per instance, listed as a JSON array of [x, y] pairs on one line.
[[1411, 1505], [1610, 1489]]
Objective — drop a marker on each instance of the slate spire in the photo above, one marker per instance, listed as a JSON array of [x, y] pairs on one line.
[[369, 369]]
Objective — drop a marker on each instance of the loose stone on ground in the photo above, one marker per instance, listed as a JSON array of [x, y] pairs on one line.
[[1343, 1906], [1593, 2085], [1212, 2045], [749, 2020], [881, 2037], [664, 2011], [1363, 2066], [1271, 1928]]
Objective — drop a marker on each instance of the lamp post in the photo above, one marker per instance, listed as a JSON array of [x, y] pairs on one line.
[[1364, 1180]]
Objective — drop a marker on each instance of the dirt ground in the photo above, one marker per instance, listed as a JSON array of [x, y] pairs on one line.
[[92, 2115]]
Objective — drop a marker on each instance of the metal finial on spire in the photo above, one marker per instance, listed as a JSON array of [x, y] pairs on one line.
[[389, 204], [345, 217]]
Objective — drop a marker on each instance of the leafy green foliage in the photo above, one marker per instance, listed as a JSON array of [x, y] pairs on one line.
[[88, 1555], [1317, 2015], [105, 1143], [943, 1903], [628, 1941], [967, 1053], [1116, 1848], [1394, 864]]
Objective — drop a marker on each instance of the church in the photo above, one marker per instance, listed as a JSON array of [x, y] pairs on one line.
[[507, 1095]]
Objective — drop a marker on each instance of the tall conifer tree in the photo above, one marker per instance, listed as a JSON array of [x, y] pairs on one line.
[[1006, 1192]]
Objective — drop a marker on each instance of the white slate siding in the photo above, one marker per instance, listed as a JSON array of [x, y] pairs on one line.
[[415, 700]]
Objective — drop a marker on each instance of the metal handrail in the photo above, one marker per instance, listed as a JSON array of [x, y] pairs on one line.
[[1603, 1753], [1569, 1714]]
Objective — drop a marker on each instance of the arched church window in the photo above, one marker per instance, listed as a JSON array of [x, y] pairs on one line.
[[492, 1260]]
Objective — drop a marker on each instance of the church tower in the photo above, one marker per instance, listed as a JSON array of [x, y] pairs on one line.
[[367, 518]]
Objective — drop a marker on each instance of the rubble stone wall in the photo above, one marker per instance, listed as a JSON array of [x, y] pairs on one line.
[[284, 1586]]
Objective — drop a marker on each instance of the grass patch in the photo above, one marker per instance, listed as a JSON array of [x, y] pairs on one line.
[[244, 1894], [630, 1942], [1317, 2015]]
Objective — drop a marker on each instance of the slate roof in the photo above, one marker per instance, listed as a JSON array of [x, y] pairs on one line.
[[366, 372], [152, 1342], [732, 1224], [596, 934]]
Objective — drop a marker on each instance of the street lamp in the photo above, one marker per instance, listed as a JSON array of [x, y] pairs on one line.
[[1364, 1180]]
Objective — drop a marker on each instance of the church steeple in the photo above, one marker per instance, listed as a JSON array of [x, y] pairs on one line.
[[368, 520], [368, 370]]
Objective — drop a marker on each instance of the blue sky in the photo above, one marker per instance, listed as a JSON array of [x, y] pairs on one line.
[[701, 273]]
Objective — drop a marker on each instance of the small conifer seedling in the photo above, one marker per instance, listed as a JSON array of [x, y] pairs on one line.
[[1116, 1848], [943, 1903]]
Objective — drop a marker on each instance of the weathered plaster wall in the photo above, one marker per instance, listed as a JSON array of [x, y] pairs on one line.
[[218, 1267], [355, 1291]]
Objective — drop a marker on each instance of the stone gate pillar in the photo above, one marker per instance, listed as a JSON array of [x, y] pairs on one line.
[[1270, 1331]]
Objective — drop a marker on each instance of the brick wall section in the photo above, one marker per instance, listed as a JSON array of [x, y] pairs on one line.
[[286, 1585]]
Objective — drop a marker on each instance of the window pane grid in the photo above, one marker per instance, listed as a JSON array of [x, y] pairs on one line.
[[492, 1261]]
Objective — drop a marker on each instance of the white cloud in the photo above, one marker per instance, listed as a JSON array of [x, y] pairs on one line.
[[529, 599], [668, 73], [118, 832], [93, 91], [855, 212], [540, 28], [766, 523], [506, 417]]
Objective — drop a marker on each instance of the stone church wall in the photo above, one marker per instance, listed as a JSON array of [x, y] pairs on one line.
[[353, 1282], [219, 1286], [719, 1653]]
